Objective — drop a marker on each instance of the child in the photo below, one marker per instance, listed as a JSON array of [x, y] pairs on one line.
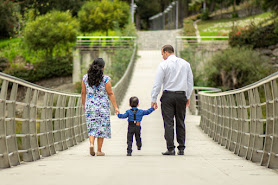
[[134, 116]]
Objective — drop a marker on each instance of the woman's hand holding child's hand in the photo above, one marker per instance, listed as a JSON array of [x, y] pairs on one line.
[[117, 111]]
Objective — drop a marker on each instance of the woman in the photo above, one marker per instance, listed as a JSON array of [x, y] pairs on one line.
[[96, 89]]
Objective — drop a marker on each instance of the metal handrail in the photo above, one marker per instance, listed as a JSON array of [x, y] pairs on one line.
[[104, 42], [245, 120], [104, 37], [49, 120], [194, 105], [202, 37], [245, 88], [13, 79]]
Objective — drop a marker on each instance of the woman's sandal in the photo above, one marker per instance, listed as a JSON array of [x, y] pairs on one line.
[[100, 154], [92, 151]]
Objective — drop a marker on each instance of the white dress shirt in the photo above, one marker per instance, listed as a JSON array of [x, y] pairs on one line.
[[174, 74]]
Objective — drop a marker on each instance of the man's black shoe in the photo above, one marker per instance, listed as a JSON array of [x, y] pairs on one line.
[[181, 152], [128, 154], [172, 152]]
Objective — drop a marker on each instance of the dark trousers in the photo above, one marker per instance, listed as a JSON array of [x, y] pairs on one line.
[[133, 129], [173, 104]]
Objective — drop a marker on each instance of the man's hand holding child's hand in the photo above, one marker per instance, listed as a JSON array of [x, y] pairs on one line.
[[154, 105]]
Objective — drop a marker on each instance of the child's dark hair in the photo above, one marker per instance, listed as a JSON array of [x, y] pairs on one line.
[[133, 101]]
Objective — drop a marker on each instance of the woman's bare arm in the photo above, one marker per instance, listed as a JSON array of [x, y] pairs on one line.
[[83, 95], [111, 96]]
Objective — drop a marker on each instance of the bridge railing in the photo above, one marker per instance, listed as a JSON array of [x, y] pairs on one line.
[[36, 122], [87, 43], [245, 120], [209, 44], [194, 105]]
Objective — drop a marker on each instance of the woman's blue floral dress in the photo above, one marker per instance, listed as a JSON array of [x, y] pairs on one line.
[[97, 109]]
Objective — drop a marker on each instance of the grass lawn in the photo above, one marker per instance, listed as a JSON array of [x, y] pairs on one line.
[[6, 42], [222, 27]]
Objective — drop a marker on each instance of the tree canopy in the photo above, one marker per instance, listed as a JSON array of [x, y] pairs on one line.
[[103, 15], [50, 30]]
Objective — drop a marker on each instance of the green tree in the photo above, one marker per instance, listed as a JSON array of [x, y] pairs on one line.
[[7, 19], [271, 4], [236, 67], [54, 29], [45, 6], [102, 15]]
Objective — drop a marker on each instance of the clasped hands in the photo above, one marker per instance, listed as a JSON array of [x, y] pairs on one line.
[[117, 111], [154, 105]]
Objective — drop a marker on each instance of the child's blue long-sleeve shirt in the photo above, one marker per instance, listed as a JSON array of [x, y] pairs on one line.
[[139, 114]]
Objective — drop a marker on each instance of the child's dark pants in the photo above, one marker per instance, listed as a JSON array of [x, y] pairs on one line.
[[133, 129]]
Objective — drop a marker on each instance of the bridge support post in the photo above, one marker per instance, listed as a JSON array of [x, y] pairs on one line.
[[76, 74], [4, 155], [273, 158], [11, 128]]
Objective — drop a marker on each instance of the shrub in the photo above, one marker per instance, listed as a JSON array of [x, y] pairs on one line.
[[205, 15], [188, 28], [54, 29], [236, 67], [190, 55], [102, 15], [254, 36], [34, 72], [129, 30], [120, 61]]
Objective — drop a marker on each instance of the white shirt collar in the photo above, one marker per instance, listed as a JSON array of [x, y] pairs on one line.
[[170, 56]]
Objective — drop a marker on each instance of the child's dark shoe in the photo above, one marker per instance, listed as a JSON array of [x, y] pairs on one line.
[[128, 154], [139, 147]]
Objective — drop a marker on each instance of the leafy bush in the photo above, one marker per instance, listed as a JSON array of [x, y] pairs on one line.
[[42, 70], [15, 48], [6, 42], [188, 28], [120, 61], [254, 36], [7, 18], [54, 29], [190, 55], [129, 30], [236, 67], [205, 15], [102, 15]]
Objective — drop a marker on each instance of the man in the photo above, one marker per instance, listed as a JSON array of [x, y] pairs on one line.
[[176, 76]]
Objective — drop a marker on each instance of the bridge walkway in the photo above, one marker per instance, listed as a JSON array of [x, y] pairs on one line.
[[204, 163]]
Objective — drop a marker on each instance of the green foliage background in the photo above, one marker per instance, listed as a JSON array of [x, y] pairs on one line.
[[102, 15], [54, 29], [236, 67]]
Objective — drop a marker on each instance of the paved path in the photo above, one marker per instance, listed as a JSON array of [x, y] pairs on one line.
[[204, 163], [156, 39]]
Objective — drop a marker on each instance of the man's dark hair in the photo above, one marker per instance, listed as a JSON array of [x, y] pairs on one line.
[[168, 48], [133, 101]]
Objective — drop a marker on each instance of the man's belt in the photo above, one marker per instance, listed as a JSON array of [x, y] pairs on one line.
[[177, 92]]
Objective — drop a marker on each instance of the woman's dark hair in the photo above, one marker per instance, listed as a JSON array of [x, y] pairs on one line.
[[95, 72], [133, 101]]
